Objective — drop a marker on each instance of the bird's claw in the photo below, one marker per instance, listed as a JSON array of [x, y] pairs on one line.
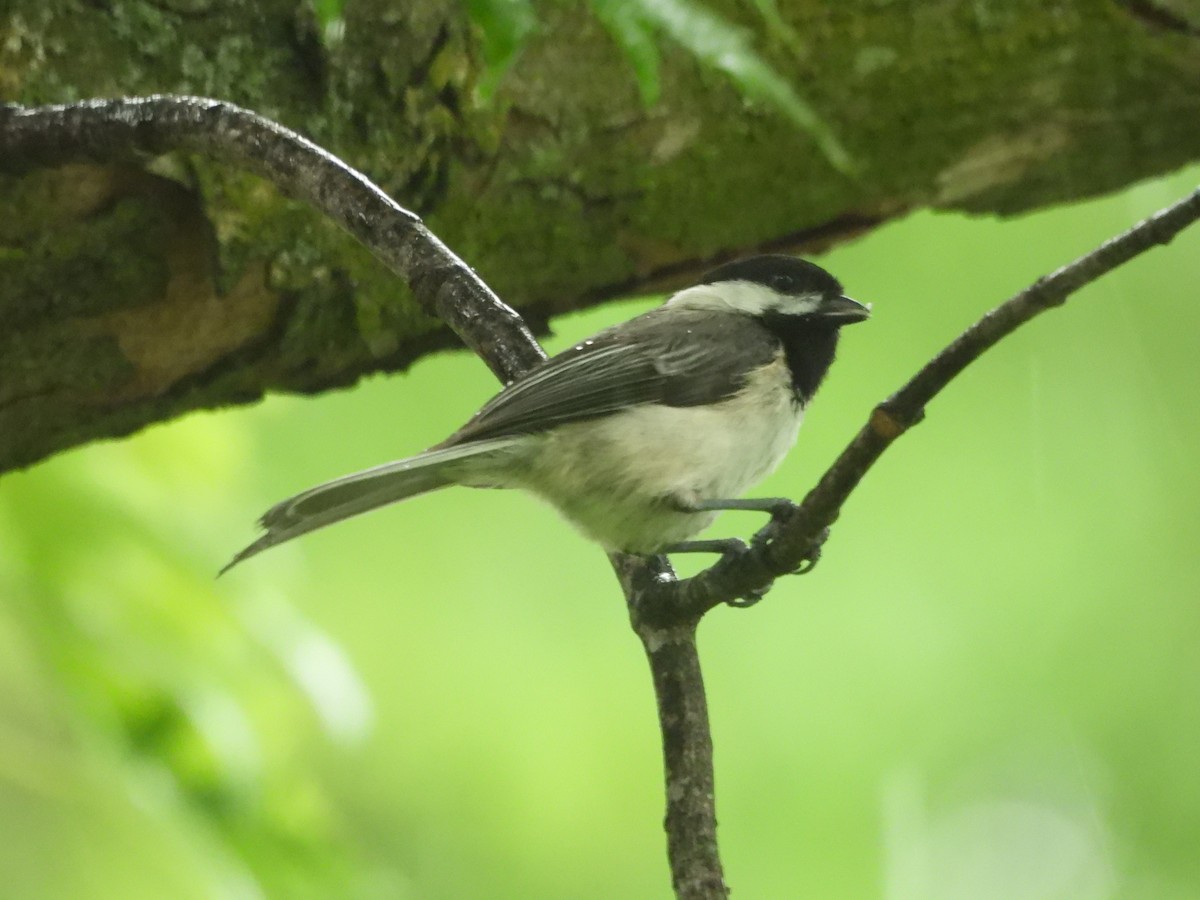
[[814, 554], [781, 510], [749, 598]]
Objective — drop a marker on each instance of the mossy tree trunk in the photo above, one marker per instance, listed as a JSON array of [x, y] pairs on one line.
[[133, 293]]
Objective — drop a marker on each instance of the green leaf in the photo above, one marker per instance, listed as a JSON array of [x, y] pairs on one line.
[[721, 45], [634, 33], [716, 43], [504, 26], [777, 28], [328, 11]]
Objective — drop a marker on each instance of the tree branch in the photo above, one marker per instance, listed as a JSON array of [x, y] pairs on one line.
[[670, 645], [691, 821], [146, 127]]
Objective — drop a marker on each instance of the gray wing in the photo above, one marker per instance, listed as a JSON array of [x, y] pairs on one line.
[[680, 360]]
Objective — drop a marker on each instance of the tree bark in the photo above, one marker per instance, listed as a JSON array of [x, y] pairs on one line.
[[134, 291]]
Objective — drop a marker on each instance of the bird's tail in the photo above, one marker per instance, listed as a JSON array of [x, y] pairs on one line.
[[361, 492]]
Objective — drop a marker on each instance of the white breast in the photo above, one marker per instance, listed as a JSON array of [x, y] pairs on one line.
[[706, 453], [622, 478]]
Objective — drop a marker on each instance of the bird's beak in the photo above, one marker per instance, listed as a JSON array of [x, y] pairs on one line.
[[842, 310]]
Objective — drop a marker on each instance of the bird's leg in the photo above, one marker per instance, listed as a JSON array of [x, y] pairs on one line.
[[724, 546], [779, 509], [776, 506]]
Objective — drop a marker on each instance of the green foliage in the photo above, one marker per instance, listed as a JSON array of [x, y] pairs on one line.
[[503, 26], [637, 25], [328, 11], [202, 705], [719, 45]]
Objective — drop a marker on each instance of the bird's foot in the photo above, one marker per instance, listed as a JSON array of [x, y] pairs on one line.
[[749, 598], [809, 562], [780, 510], [729, 548], [723, 546]]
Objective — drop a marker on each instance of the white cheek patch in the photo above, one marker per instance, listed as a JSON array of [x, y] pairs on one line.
[[746, 297], [790, 305]]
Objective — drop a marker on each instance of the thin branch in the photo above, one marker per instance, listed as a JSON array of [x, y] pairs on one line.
[[670, 646], [141, 128], [795, 539], [691, 821]]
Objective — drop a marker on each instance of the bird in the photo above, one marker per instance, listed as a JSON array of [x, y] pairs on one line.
[[641, 434]]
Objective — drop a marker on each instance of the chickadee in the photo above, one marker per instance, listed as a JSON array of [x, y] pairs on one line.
[[641, 434]]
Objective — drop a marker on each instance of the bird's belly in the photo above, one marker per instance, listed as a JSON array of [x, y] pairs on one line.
[[623, 479]]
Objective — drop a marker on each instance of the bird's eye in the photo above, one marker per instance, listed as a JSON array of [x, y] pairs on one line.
[[781, 283]]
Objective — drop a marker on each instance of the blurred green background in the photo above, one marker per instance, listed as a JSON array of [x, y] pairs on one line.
[[990, 687]]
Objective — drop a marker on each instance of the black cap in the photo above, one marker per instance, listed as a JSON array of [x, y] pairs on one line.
[[784, 274]]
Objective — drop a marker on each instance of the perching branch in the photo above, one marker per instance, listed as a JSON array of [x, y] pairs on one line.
[[670, 645]]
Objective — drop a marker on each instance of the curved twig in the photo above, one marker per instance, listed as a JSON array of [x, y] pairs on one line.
[[795, 539], [146, 127]]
